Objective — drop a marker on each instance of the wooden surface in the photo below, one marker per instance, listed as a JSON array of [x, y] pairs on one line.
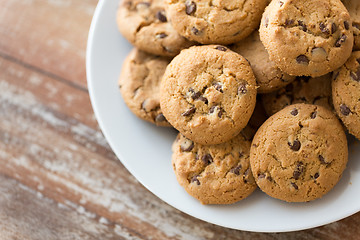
[[58, 177]]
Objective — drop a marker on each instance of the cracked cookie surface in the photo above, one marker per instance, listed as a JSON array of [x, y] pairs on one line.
[[208, 93], [215, 174], [306, 37], [303, 90], [139, 84], [268, 77], [346, 93], [144, 23], [299, 153], [353, 6], [220, 21]]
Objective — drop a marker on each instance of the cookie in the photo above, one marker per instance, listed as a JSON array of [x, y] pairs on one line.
[[299, 153], [139, 84], [303, 90], [353, 6], [215, 174], [208, 93], [220, 22], [268, 77], [346, 94], [307, 37], [144, 23]]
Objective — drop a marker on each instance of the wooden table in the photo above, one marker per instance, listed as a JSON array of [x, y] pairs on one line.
[[59, 178]]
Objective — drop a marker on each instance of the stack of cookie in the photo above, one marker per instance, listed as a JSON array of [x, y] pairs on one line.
[[202, 68]]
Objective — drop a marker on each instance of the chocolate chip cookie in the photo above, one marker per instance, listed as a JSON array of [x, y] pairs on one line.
[[216, 174], [346, 94], [268, 77], [139, 84], [220, 22], [303, 90], [144, 23], [353, 6], [299, 153], [306, 37], [208, 93]]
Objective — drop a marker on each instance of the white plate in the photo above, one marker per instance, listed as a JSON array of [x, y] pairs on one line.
[[145, 150]]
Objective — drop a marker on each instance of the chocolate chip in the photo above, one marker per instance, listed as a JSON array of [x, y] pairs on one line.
[[207, 159], [346, 25], [187, 145], [345, 110], [323, 28], [295, 186], [161, 35], [190, 7], [316, 175], [355, 75], [295, 146], [289, 22], [220, 113], [313, 115], [236, 170], [212, 110], [261, 175], [195, 179], [341, 40], [333, 28], [298, 171], [221, 48], [242, 89], [281, 3], [161, 16], [302, 59], [356, 25], [195, 31], [189, 112], [218, 86], [241, 155], [160, 118], [194, 95], [322, 160], [294, 112], [204, 99], [302, 25], [269, 178]]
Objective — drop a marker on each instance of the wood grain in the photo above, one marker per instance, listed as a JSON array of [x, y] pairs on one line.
[[58, 177], [49, 35]]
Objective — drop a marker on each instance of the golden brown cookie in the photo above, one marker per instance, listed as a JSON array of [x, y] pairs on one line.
[[346, 94], [218, 22], [353, 6], [208, 93], [215, 174], [307, 37], [303, 90], [268, 77], [299, 153], [139, 84], [144, 23]]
